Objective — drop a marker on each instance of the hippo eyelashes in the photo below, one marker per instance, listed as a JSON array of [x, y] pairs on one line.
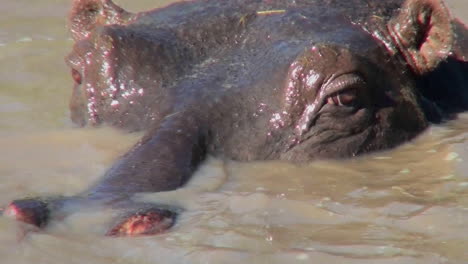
[[76, 76], [344, 98], [346, 90]]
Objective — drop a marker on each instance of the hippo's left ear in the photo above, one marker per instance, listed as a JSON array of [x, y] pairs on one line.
[[422, 31], [86, 15]]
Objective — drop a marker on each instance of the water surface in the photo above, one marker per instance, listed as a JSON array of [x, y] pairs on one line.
[[408, 205]]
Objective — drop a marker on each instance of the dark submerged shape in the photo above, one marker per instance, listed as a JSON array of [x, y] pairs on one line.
[[252, 80]]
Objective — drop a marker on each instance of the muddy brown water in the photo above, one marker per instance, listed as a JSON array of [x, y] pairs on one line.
[[408, 205]]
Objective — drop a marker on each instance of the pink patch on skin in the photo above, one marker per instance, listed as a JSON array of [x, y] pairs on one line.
[[146, 223], [11, 211], [16, 213], [30, 211]]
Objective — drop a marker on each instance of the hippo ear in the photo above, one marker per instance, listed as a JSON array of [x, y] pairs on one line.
[[422, 31], [460, 45], [88, 14]]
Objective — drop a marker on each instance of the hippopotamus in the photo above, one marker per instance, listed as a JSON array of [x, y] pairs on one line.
[[249, 80]]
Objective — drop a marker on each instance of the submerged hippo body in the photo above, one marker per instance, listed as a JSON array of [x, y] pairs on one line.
[[253, 80]]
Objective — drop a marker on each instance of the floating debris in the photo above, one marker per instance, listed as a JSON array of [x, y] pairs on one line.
[[383, 158], [302, 256], [448, 177], [403, 191], [271, 12], [405, 171], [451, 156], [24, 39]]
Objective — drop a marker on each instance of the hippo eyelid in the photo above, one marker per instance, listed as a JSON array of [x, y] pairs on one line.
[[349, 85], [344, 82], [332, 87]]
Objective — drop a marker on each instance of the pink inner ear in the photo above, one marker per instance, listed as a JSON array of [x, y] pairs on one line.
[[423, 33]]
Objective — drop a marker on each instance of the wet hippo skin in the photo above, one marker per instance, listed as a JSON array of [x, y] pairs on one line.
[[252, 80]]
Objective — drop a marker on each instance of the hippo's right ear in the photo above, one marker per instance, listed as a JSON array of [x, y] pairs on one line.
[[422, 32], [88, 14]]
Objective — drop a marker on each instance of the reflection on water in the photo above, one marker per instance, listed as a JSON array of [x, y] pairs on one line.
[[409, 205]]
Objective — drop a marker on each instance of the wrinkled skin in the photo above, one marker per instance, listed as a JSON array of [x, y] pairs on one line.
[[252, 80]]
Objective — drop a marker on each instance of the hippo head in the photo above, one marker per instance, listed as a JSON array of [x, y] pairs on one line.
[[357, 89], [111, 70], [349, 87]]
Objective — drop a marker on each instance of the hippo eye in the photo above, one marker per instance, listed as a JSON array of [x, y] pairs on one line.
[[345, 90], [76, 76], [344, 98]]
